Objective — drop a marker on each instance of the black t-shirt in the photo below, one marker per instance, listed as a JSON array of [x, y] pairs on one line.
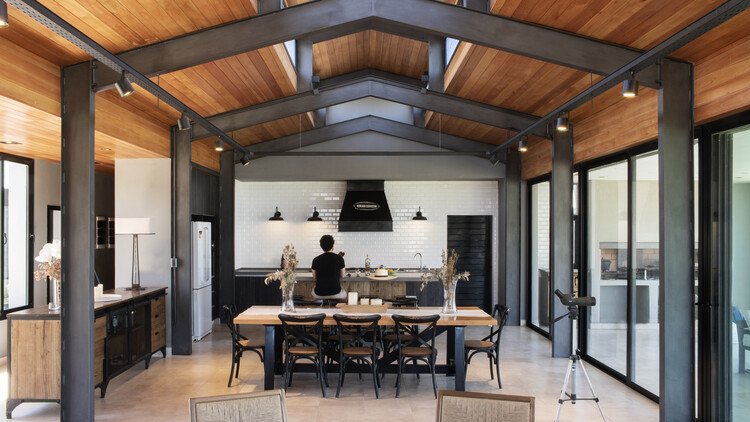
[[327, 268]]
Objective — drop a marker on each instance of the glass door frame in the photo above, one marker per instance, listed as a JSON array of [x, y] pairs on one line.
[[30, 218], [529, 248], [583, 186]]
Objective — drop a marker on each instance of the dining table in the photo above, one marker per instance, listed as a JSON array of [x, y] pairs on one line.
[[452, 324]]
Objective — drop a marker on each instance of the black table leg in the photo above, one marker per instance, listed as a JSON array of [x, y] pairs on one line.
[[458, 356], [450, 359], [270, 357]]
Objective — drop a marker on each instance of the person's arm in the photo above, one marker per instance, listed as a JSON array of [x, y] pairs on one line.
[[315, 276], [343, 265], [343, 272]]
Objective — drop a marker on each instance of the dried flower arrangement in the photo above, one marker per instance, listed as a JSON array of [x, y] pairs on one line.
[[49, 261], [446, 273], [285, 275]]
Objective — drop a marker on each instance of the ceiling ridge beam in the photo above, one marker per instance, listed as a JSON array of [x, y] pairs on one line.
[[372, 83], [419, 19]]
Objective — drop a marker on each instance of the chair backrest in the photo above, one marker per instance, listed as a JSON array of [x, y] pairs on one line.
[[412, 326], [359, 330], [231, 312], [738, 318], [461, 406], [302, 329], [302, 302], [405, 302], [258, 406], [500, 313]]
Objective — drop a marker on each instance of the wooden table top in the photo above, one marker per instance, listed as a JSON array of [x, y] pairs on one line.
[[269, 315]]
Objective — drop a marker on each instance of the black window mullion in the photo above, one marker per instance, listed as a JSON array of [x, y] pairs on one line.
[[631, 286]]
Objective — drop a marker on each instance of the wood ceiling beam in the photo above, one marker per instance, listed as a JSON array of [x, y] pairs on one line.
[[419, 19], [369, 83], [368, 123]]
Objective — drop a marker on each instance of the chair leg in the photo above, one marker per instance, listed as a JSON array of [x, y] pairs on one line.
[[497, 369], [492, 376], [341, 377], [398, 378], [231, 372], [375, 381], [239, 357], [319, 361], [287, 372], [432, 369]]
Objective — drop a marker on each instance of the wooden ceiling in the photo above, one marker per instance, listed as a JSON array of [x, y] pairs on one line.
[[29, 84]]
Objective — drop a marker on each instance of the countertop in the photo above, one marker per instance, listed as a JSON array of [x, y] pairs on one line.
[[127, 295], [304, 275]]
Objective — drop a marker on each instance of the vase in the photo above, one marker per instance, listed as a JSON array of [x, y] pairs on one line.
[[449, 298], [55, 293], [287, 298]]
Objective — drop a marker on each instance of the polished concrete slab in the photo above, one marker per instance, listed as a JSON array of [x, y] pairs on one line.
[[161, 393]]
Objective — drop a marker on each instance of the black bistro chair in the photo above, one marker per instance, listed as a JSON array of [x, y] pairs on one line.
[[240, 343], [307, 303], [389, 335], [490, 344], [303, 340], [358, 342], [416, 343]]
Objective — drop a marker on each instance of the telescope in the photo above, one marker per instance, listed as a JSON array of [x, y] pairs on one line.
[[568, 299]]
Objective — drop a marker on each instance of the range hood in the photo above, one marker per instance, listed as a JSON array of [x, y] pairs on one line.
[[365, 208]]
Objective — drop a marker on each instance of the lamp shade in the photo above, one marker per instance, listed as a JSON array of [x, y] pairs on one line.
[[133, 226]]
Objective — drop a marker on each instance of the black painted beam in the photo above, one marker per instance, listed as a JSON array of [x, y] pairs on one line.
[[510, 288], [226, 229], [322, 20], [677, 240], [561, 239], [77, 231], [369, 83], [182, 289]]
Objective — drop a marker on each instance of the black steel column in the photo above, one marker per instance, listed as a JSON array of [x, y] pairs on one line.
[[304, 64], [436, 65], [182, 293], [226, 229], [511, 204], [480, 5], [677, 238], [77, 314], [267, 6], [561, 228]]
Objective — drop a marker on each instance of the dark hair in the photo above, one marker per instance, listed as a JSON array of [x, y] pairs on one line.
[[326, 242]]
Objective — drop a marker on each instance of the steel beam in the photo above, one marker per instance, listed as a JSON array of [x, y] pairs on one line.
[[182, 290], [510, 293], [478, 5], [420, 19], [304, 59], [363, 124], [561, 229], [77, 313], [268, 6], [677, 240], [226, 229], [436, 63], [369, 83]]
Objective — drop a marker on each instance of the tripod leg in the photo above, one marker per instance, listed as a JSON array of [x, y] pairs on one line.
[[574, 386], [564, 389], [593, 393]]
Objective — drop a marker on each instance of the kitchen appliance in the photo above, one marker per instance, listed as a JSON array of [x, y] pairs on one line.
[[201, 254], [365, 207]]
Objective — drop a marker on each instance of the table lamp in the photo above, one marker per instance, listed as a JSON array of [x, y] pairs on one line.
[[135, 227]]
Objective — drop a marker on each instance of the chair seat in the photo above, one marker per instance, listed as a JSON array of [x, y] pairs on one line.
[[478, 344], [303, 350], [357, 351], [416, 351], [394, 337], [338, 337], [246, 344]]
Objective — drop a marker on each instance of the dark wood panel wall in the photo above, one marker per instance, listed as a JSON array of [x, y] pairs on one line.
[[204, 189]]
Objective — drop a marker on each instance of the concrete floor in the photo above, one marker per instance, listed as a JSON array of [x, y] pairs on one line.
[[161, 393]]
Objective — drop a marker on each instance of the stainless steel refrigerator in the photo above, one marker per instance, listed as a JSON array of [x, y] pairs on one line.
[[201, 279]]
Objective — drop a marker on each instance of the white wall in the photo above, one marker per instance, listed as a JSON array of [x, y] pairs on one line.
[[259, 242], [142, 189]]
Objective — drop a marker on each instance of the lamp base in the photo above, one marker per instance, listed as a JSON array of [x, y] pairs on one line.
[[135, 288]]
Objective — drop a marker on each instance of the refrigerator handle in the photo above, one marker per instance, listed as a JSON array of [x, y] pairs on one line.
[[207, 257]]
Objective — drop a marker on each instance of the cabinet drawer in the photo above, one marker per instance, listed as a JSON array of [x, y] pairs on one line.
[[100, 333], [157, 339]]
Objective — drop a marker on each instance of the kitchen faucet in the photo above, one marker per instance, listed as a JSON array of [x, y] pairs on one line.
[[420, 260]]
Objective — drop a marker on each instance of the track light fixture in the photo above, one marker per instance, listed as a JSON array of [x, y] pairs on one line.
[[630, 86], [3, 14], [494, 160], [315, 215], [419, 216], [124, 87], [219, 145], [523, 144], [276, 216], [425, 81], [562, 124], [316, 84], [183, 123], [245, 160]]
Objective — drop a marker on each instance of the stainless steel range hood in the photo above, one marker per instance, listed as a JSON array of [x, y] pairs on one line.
[[365, 208]]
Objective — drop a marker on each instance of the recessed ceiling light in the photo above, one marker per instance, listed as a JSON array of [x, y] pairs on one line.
[[106, 149], [10, 143]]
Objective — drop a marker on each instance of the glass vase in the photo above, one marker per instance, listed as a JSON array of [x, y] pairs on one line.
[[449, 298], [287, 298], [55, 293]]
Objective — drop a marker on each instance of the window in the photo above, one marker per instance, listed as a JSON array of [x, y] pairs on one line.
[[539, 257], [16, 288]]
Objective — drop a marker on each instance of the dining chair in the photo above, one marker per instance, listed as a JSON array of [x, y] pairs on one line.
[[240, 343], [358, 342], [307, 303], [490, 345], [416, 343], [463, 406], [742, 331], [267, 406], [303, 339], [389, 338]]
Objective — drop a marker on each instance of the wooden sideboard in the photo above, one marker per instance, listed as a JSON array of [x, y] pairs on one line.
[[126, 331]]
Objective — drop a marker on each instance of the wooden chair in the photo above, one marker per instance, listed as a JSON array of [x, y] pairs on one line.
[[358, 342], [489, 345], [264, 406], [416, 344], [742, 331], [303, 339], [240, 343], [462, 406]]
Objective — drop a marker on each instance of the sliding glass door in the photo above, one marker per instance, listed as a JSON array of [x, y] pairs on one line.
[[16, 289], [539, 268]]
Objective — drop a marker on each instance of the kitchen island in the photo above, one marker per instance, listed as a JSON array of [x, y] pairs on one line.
[[250, 289]]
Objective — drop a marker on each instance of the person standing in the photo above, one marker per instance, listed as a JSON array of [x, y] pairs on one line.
[[327, 270]]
